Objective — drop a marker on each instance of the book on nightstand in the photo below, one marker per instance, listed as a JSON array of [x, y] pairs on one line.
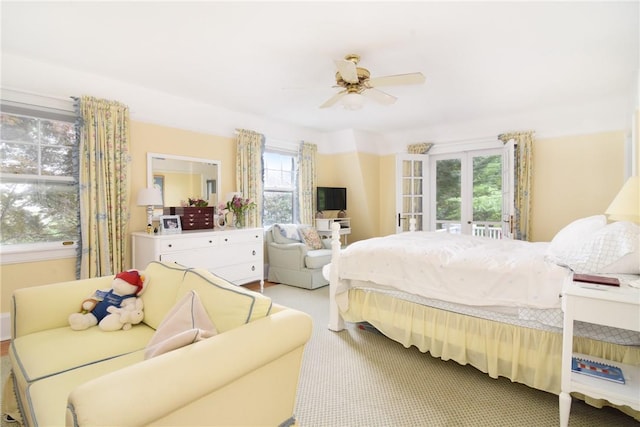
[[597, 370], [599, 280]]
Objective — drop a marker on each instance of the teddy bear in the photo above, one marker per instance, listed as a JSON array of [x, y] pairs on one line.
[[113, 309]]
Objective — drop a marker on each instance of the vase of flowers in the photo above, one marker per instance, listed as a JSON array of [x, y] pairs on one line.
[[240, 207]]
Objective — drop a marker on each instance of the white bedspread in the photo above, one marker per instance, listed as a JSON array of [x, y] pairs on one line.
[[461, 269]]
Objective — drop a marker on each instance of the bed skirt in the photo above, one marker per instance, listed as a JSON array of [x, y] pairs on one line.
[[524, 355]]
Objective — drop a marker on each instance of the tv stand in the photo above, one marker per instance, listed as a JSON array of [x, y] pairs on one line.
[[323, 225]]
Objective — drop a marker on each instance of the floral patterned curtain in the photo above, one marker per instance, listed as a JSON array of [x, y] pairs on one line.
[[249, 170], [104, 186], [307, 178], [523, 178]]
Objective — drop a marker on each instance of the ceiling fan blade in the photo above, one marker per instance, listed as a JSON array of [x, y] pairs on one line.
[[379, 96], [347, 70], [398, 79], [335, 98]]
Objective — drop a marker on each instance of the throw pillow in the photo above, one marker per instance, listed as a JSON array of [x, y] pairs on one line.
[[612, 249], [285, 233], [311, 237], [186, 323], [574, 233]]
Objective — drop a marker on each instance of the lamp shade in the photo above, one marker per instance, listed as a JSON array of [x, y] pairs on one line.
[[149, 197], [352, 101], [626, 205]]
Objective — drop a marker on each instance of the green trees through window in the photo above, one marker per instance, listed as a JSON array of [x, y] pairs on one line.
[[38, 192], [485, 192]]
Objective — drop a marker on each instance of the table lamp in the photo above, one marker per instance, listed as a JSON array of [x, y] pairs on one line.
[[149, 197], [626, 205]]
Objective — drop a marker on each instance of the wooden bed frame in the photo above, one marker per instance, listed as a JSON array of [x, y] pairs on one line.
[[525, 355]]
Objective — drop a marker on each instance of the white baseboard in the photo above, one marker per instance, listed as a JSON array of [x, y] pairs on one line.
[[5, 326]]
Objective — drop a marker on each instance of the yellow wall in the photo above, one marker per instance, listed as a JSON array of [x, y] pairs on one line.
[[358, 172], [574, 176], [387, 187]]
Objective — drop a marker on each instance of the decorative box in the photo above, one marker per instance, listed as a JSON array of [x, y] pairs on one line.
[[191, 217]]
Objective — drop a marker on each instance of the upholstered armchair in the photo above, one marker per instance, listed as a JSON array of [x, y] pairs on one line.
[[296, 255]]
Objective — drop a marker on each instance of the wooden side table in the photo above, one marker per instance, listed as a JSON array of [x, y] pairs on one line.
[[604, 305]]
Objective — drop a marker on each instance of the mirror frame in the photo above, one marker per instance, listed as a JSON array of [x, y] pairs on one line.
[[151, 156]]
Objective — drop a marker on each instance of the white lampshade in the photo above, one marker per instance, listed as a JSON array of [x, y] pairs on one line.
[[352, 101], [626, 205], [149, 197]]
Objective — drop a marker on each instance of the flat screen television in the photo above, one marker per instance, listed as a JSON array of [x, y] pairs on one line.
[[331, 198]]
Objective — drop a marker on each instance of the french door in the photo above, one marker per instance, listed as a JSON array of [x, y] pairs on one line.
[[468, 192], [412, 191]]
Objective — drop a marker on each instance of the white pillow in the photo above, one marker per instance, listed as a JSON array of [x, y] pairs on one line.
[[612, 249], [186, 323], [286, 233], [574, 233]]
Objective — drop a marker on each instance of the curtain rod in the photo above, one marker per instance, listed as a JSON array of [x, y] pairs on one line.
[[25, 92]]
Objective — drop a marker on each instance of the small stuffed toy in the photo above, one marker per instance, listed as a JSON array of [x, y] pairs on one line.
[[112, 309], [129, 315]]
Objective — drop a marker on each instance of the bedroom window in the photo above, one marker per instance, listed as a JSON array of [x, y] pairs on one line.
[[38, 192], [280, 183]]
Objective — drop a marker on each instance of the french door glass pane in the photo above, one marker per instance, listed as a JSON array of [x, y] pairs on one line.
[[412, 193], [417, 169], [448, 190], [487, 188]]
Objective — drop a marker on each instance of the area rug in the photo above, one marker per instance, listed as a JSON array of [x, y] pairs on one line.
[[358, 377]]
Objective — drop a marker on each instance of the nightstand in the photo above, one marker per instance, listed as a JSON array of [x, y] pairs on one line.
[[618, 307]]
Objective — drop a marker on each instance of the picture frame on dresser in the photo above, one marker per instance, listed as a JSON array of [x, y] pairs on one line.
[[170, 224]]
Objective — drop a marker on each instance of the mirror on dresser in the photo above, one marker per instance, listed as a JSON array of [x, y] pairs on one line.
[[180, 178]]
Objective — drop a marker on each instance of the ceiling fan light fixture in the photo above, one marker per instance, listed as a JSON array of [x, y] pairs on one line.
[[352, 101]]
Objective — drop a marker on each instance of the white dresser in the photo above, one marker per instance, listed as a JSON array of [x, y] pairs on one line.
[[235, 254]]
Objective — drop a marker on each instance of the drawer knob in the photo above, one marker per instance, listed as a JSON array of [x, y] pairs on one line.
[[170, 245], [210, 241], [226, 239], [253, 252], [253, 268]]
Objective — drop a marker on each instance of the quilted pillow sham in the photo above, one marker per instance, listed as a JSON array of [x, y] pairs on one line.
[[574, 233], [613, 249]]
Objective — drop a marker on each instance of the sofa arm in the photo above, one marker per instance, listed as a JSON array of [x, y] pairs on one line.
[[44, 307], [287, 255], [209, 382]]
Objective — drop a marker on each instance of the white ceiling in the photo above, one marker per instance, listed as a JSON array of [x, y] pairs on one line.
[[484, 62]]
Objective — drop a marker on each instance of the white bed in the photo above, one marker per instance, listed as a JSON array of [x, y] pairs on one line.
[[493, 304]]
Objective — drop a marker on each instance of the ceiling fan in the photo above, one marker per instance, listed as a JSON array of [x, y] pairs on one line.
[[356, 81]]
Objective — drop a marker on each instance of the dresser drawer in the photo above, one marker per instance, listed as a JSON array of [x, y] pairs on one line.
[[240, 273], [176, 245], [237, 254], [196, 224], [241, 236]]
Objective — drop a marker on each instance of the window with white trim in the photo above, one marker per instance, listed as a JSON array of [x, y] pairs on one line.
[[280, 184], [38, 190]]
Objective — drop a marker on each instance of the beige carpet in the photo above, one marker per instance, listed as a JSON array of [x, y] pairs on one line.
[[361, 378]]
